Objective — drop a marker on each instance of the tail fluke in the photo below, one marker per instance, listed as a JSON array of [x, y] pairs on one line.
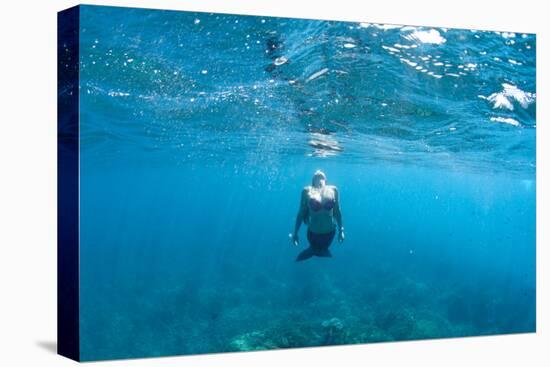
[[309, 252], [323, 253], [306, 254]]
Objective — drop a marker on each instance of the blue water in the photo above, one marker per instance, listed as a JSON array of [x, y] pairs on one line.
[[198, 132]]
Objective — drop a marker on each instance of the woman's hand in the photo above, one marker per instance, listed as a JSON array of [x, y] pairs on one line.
[[294, 238], [341, 235]]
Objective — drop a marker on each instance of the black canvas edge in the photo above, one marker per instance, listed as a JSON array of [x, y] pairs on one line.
[[68, 303]]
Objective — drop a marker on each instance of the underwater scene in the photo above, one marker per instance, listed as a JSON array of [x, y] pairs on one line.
[[216, 150]]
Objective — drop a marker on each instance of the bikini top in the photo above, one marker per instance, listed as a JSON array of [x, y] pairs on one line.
[[316, 205]]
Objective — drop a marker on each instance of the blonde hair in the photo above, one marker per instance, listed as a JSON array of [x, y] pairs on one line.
[[317, 174]]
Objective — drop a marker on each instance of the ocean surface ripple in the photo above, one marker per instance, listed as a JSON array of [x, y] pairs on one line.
[[211, 85]]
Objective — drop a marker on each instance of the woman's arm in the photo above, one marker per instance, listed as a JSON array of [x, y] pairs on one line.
[[338, 214], [300, 216]]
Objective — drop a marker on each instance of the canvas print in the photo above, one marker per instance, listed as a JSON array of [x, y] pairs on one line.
[[241, 183]]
